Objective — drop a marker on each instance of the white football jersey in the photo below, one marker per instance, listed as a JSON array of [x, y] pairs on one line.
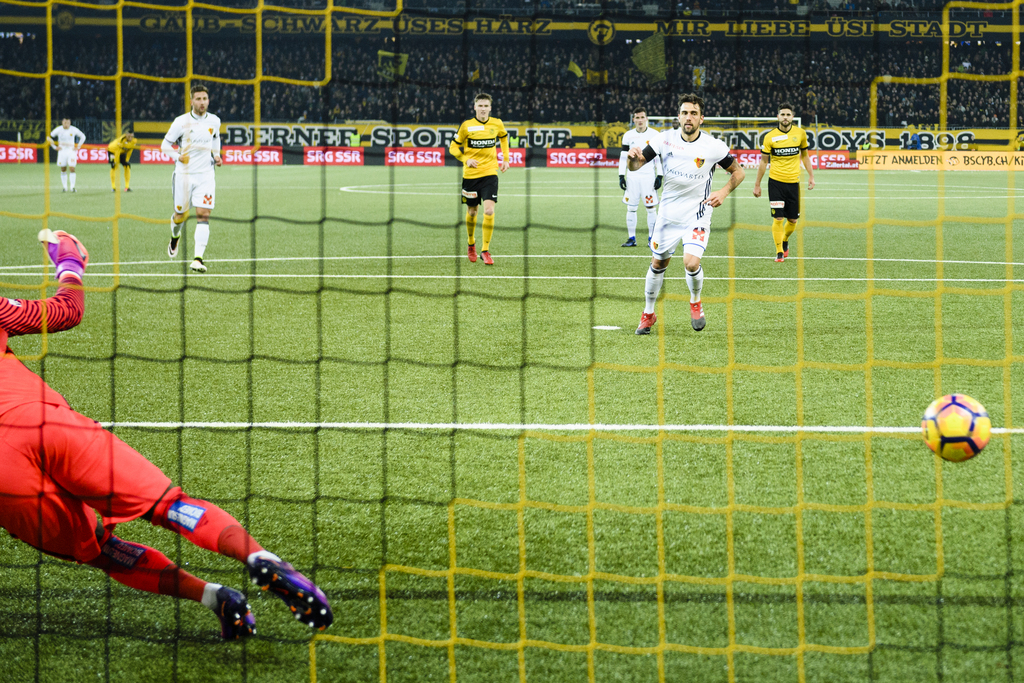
[[66, 137], [689, 167], [198, 137], [633, 138]]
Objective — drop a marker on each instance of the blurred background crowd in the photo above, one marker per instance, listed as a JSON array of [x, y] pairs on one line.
[[542, 80]]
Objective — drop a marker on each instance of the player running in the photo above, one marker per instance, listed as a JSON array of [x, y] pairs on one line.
[[784, 146], [643, 184], [60, 469], [479, 136], [197, 137], [688, 157], [120, 150], [67, 140]]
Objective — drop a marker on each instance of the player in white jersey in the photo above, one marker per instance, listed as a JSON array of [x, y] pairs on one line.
[[688, 159], [639, 185], [197, 137], [67, 140]]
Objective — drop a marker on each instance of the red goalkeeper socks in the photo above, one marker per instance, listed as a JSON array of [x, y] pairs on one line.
[[204, 524], [146, 569]]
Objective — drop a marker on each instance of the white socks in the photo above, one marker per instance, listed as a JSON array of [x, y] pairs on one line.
[[73, 174], [695, 281], [259, 554], [176, 228], [202, 238], [652, 220], [631, 221], [652, 287], [210, 595], [64, 180]]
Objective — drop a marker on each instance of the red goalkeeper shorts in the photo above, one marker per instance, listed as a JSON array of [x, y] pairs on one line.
[[59, 468]]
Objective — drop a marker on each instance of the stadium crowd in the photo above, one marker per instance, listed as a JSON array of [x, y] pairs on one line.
[[542, 80]]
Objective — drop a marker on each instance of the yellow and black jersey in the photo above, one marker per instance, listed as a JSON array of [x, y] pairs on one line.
[[122, 145], [477, 140], [785, 149]]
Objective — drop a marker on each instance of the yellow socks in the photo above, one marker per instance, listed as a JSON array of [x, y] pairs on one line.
[[113, 178], [488, 230], [127, 176], [790, 227], [778, 233], [471, 227]]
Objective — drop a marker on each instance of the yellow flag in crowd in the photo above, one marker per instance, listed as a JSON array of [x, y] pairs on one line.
[[575, 68], [597, 77], [391, 65]]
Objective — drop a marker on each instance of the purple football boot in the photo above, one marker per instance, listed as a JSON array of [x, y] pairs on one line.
[[307, 602], [236, 621]]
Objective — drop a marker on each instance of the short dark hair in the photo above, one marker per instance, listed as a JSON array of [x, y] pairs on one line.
[[640, 110], [692, 98], [483, 96], [787, 105], [198, 87]]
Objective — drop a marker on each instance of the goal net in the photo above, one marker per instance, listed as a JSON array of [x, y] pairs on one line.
[[488, 473]]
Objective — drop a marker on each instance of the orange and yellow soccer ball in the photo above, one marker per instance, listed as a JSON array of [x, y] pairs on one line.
[[956, 427]]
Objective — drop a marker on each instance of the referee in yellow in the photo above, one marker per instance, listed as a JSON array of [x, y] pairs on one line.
[[120, 150], [784, 147]]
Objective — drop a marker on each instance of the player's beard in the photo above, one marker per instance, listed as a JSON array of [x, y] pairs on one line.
[[785, 127], [689, 128]]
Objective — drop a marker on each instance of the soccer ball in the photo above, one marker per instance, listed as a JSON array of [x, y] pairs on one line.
[[956, 427]]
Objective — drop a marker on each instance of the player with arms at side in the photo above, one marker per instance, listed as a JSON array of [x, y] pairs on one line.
[[61, 468], [67, 140], [120, 150], [474, 145], [643, 184], [689, 158], [197, 137], [784, 146]]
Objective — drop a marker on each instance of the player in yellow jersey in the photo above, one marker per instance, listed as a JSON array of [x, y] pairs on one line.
[[784, 147], [474, 145], [120, 149]]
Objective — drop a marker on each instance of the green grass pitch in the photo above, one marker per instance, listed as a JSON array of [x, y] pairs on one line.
[[472, 548]]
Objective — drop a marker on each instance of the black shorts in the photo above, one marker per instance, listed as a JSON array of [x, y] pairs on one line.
[[784, 199], [476, 190], [124, 158]]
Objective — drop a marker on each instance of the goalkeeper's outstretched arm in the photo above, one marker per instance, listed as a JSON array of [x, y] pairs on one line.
[[56, 313]]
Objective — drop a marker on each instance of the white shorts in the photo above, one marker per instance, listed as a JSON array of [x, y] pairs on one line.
[[193, 189], [667, 237], [640, 189], [67, 157]]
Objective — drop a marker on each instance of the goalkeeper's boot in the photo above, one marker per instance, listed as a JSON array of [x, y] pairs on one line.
[[486, 256], [172, 247], [197, 265], [472, 253], [785, 248], [780, 257], [236, 621], [307, 602], [647, 321], [631, 242], [697, 316]]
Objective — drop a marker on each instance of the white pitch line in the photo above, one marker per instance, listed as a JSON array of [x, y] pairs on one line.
[[580, 278], [413, 257], [532, 427]]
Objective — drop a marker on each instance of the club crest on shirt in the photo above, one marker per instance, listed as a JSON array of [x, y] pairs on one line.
[[699, 162], [211, 130]]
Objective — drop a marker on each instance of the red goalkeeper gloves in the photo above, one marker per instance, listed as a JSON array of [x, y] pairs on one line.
[[66, 252]]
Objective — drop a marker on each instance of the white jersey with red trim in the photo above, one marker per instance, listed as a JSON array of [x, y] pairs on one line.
[[688, 168]]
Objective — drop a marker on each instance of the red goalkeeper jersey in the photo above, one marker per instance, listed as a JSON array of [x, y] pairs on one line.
[[18, 384]]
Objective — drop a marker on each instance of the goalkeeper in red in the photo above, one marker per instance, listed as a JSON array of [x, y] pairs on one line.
[[60, 469]]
